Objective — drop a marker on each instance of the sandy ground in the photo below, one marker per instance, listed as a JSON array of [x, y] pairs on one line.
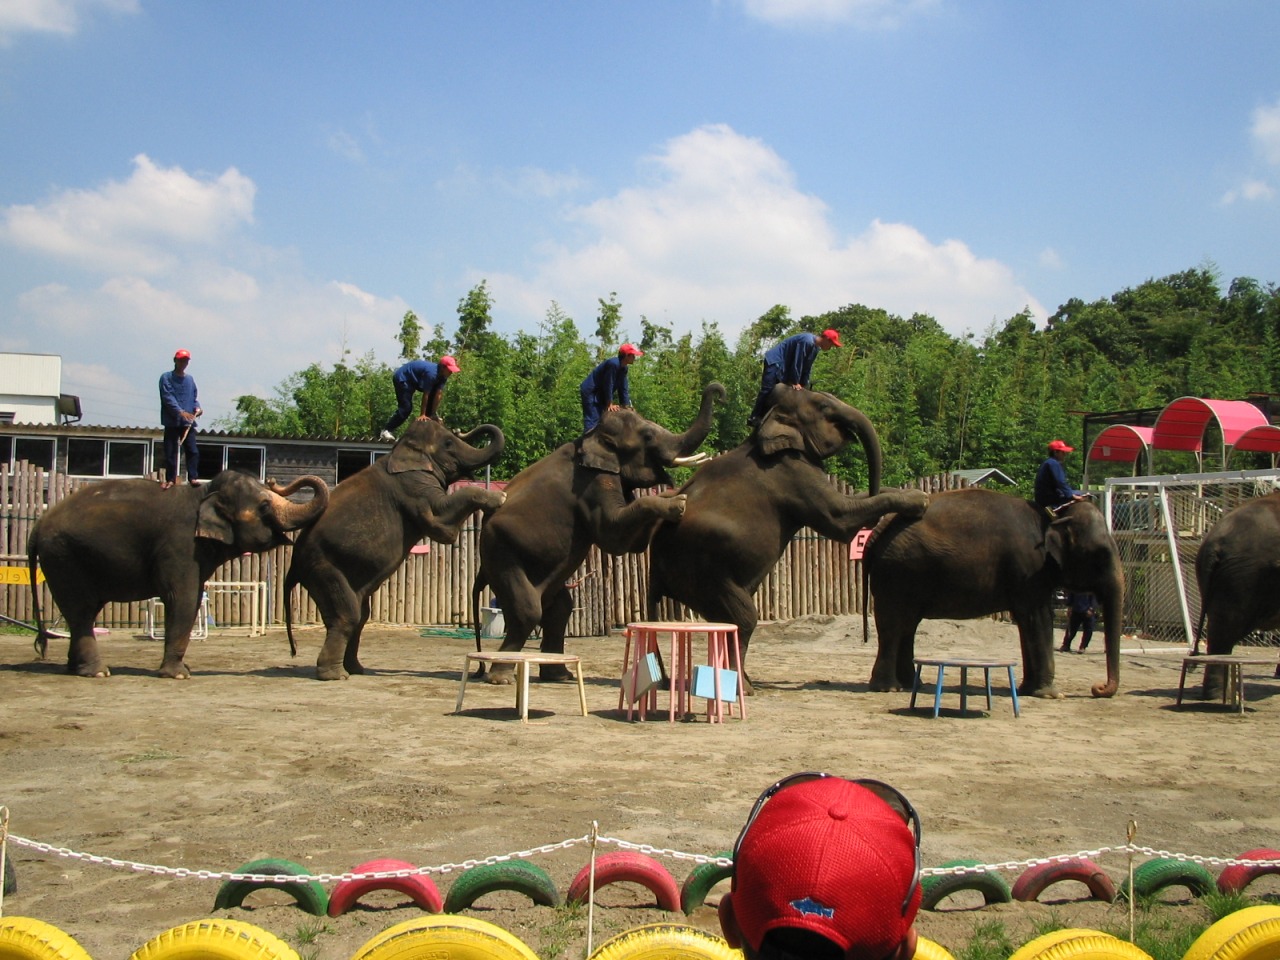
[[253, 758]]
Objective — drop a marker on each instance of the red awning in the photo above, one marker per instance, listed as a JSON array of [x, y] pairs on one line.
[[1181, 424], [1265, 439], [1121, 442]]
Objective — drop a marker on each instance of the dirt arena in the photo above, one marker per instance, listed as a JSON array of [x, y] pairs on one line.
[[253, 758]]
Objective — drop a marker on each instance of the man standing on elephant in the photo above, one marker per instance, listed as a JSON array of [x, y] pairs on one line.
[[179, 408], [418, 376], [1052, 489], [791, 362], [606, 380]]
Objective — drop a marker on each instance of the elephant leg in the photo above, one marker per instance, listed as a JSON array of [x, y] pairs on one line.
[[444, 523], [1035, 635], [521, 612], [557, 608], [83, 657], [351, 659], [726, 602], [179, 619], [894, 668], [339, 607]]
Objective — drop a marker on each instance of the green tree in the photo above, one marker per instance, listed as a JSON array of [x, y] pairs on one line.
[[410, 336], [608, 323], [475, 317]]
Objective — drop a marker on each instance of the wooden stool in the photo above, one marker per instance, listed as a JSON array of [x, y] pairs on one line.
[[1233, 689], [522, 662], [986, 666], [723, 654]]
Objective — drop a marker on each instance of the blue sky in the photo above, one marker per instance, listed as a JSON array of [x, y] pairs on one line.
[[270, 183]]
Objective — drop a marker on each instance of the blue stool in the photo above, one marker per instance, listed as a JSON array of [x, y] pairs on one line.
[[986, 666]]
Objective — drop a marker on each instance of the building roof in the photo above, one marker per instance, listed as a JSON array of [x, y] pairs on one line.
[[1181, 424], [979, 475]]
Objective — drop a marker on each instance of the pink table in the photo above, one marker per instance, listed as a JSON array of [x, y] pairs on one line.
[[723, 653]]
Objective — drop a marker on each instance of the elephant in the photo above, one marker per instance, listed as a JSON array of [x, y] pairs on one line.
[[1238, 572], [374, 519], [126, 540], [977, 552], [742, 508], [582, 493]]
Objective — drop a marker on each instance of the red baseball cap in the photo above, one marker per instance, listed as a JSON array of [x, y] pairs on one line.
[[831, 856], [631, 350], [182, 355], [1059, 445], [833, 336], [449, 364]]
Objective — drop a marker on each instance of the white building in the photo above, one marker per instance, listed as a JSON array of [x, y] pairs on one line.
[[31, 389]]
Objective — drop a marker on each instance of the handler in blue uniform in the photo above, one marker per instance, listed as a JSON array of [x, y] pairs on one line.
[[179, 408], [606, 380], [791, 362], [418, 376], [1052, 490]]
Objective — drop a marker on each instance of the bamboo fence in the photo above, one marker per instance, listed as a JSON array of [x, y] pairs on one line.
[[433, 588]]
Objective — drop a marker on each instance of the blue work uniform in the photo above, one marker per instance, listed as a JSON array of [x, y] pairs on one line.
[[1052, 489], [416, 376], [598, 389], [178, 395], [789, 361]]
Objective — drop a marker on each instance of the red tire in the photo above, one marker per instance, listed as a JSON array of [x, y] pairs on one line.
[[1035, 880], [628, 865], [1234, 879], [417, 887]]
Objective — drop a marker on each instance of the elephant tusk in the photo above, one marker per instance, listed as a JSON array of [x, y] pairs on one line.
[[691, 460]]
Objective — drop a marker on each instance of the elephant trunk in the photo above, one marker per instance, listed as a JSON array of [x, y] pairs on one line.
[[292, 516], [861, 425], [689, 441], [483, 456], [1112, 600]]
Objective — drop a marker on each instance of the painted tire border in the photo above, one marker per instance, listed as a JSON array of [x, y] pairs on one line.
[[215, 939], [25, 938], [418, 887], [518, 875], [657, 941], [309, 894], [696, 886], [1234, 879], [993, 887], [467, 938], [1162, 872], [628, 865], [1249, 934], [1035, 880]]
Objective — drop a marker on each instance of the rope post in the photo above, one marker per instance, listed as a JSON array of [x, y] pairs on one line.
[[4, 845], [1131, 831], [593, 839]]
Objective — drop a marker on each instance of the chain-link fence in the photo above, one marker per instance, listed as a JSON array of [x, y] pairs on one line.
[[1158, 524]]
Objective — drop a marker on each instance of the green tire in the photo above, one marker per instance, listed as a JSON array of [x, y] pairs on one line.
[[1155, 875], [993, 887], [310, 894], [518, 875], [693, 893]]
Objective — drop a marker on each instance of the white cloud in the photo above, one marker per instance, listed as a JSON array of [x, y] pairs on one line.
[[719, 231], [1050, 258], [1255, 190], [133, 225], [54, 16], [1266, 131], [865, 13]]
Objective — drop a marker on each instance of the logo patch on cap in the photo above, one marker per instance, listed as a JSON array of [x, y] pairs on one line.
[[811, 907]]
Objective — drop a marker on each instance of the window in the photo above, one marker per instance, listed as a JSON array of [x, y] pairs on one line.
[[353, 461], [87, 457], [216, 457], [36, 451]]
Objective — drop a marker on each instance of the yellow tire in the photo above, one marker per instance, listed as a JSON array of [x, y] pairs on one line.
[[926, 949], [659, 941], [452, 935], [215, 939], [1079, 944], [22, 938], [1249, 934]]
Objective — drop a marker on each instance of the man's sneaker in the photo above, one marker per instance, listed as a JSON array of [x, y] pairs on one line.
[[388, 436]]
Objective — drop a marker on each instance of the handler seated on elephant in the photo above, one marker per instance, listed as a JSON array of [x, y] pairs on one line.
[[418, 376], [1052, 489], [597, 391], [790, 362], [825, 869]]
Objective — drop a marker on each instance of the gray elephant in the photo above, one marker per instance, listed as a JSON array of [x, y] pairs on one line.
[[374, 519], [123, 540], [1238, 572], [580, 494], [744, 507], [977, 552]]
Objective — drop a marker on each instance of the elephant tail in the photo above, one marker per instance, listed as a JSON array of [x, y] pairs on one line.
[[41, 642], [1206, 578], [881, 524], [289, 582], [481, 581]]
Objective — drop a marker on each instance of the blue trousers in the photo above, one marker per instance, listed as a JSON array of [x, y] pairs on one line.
[[172, 440]]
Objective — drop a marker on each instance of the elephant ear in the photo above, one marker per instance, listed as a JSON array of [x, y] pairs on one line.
[[1057, 540], [596, 451], [212, 523], [412, 452], [777, 433]]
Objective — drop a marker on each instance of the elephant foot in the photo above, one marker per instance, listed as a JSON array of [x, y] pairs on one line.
[[355, 667], [555, 673], [174, 671], [94, 671], [330, 671], [1048, 692], [876, 685], [502, 674]]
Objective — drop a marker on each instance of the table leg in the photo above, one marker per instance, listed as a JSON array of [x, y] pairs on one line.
[[522, 690], [742, 677], [937, 691], [964, 686], [466, 668], [1013, 693], [986, 674], [623, 701], [1238, 686], [582, 691], [915, 684], [1182, 680]]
